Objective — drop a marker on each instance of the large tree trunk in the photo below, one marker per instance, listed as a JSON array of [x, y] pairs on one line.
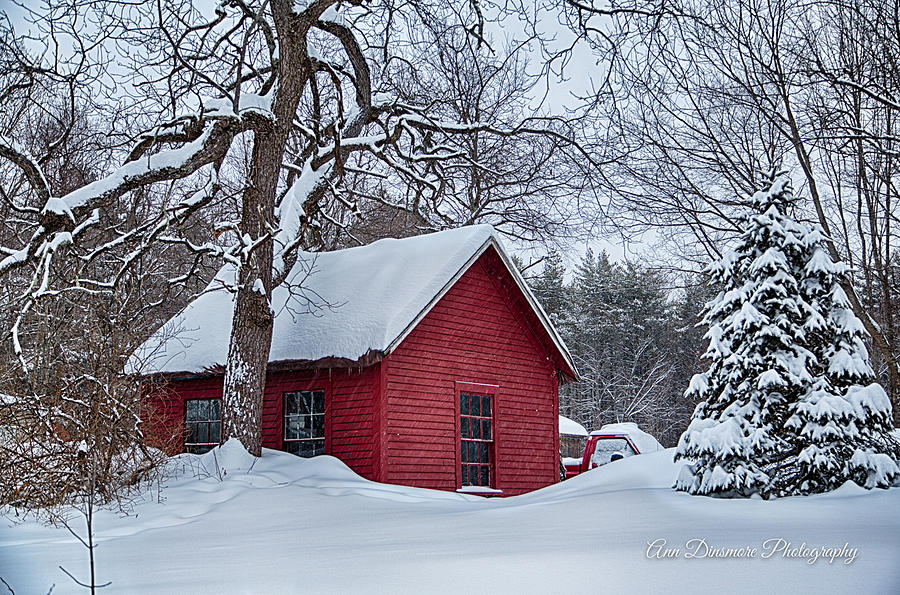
[[245, 378], [252, 323]]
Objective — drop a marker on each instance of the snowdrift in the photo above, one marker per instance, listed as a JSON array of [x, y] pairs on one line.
[[227, 522], [231, 463]]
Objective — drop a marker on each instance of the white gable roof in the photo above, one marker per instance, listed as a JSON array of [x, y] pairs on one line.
[[571, 427], [340, 304]]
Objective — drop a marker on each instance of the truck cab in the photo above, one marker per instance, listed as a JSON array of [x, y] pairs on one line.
[[610, 443]]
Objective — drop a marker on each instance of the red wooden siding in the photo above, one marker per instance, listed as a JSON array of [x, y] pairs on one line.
[[351, 419], [398, 420], [164, 414], [477, 333], [349, 416]]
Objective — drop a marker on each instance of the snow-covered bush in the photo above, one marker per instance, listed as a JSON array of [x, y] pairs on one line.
[[788, 405]]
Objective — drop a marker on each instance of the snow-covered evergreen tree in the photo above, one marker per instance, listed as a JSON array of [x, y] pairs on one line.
[[759, 365], [788, 405], [842, 424]]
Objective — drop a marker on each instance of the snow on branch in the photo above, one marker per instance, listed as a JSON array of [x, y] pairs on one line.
[[18, 155], [209, 146], [210, 143]]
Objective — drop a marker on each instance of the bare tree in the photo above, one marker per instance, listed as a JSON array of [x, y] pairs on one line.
[[265, 106], [71, 424], [707, 97], [71, 432]]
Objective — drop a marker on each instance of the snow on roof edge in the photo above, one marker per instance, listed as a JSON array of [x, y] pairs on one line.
[[523, 287], [142, 361], [539, 310], [570, 427], [395, 342]]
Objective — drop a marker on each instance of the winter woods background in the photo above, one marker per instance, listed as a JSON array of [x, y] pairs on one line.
[[144, 145], [703, 98], [634, 338]]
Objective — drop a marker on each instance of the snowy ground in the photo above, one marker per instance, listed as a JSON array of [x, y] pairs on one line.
[[294, 525]]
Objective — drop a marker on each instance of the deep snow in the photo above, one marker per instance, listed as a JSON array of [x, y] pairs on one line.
[[292, 525]]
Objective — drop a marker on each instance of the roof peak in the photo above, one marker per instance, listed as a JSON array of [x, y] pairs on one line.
[[343, 305]]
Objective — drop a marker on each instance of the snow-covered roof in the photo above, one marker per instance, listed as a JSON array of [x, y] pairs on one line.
[[571, 427], [342, 304], [644, 441]]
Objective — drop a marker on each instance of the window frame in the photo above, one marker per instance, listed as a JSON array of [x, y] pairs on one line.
[[485, 390], [208, 422], [326, 420], [602, 437]]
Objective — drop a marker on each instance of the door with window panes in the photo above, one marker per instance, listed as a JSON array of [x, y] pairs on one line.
[[476, 444]]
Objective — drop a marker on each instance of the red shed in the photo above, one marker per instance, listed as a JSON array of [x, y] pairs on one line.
[[424, 361]]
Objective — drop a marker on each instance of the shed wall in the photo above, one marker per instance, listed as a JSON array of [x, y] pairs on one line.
[[398, 420], [479, 332], [349, 416]]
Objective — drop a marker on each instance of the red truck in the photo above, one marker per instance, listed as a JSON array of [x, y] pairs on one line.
[[611, 442]]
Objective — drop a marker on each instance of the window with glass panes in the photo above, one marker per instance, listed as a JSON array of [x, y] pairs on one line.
[[203, 421], [476, 439], [304, 423]]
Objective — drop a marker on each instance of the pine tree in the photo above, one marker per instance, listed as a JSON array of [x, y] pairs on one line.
[[788, 404], [549, 287], [842, 425], [758, 363]]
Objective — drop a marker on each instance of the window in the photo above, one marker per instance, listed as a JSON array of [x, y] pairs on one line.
[[203, 420], [572, 446], [607, 447], [304, 423], [476, 439]]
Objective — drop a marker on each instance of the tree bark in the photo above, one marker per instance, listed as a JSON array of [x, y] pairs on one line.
[[253, 319]]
